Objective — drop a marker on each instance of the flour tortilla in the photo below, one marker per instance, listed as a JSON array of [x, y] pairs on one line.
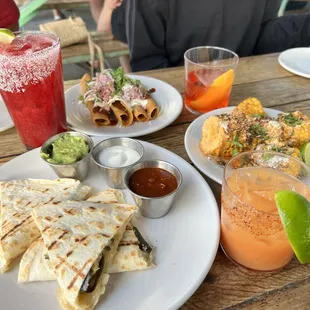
[[76, 234], [34, 265], [18, 199]]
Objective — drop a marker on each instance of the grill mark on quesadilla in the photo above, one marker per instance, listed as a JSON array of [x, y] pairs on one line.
[[48, 218], [107, 236], [71, 211], [45, 229], [55, 242], [48, 227], [29, 202], [128, 243], [69, 253], [84, 238], [52, 244], [79, 274], [16, 227]]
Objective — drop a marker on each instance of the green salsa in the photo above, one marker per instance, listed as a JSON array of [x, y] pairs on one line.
[[67, 149]]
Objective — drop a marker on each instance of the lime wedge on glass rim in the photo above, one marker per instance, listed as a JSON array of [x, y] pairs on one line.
[[294, 211], [6, 36], [305, 153]]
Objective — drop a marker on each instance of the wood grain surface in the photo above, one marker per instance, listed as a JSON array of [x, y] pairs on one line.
[[228, 286]]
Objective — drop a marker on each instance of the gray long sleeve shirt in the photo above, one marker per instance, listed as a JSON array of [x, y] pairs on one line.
[[158, 32]]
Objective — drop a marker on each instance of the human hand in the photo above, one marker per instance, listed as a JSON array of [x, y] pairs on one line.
[[113, 4]]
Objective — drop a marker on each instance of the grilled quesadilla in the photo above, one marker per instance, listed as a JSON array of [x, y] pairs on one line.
[[133, 251], [81, 240], [18, 199], [112, 97]]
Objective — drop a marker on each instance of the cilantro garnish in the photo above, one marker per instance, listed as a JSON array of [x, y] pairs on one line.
[[276, 149], [120, 79], [258, 131], [258, 115], [236, 145], [291, 120]]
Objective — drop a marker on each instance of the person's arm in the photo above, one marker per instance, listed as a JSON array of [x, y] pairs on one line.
[[145, 23], [279, 34], [95, 9], [104, 21]]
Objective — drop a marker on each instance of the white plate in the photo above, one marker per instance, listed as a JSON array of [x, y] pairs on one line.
[[192, 139], [296, 60], [185, 240], [168, 99], [5, 118]]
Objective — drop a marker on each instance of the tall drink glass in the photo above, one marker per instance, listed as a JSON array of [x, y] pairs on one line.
[[209, 75], [252, 234], [31, 86]]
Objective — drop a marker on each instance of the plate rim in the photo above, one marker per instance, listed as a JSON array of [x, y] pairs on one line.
[[203, 117], [290, 69], [178, 100], [212, 201]]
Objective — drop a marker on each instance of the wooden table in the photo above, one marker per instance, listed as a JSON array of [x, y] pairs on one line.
[[229, 286]]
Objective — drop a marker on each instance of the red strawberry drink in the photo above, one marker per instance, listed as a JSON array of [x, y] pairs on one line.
[[31, 86]]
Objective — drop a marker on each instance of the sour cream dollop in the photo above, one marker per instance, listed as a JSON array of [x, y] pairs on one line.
[[118, 156]]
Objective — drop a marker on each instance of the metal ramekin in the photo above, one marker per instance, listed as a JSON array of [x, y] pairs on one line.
[[115, 176], [154, 207], [77, 170]]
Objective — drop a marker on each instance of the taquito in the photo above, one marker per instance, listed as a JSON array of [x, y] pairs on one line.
[[140, 114], [151, 109], [100, 117], [122, 112]]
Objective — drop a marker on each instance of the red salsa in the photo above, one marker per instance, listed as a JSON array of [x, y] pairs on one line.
[[152, 182]]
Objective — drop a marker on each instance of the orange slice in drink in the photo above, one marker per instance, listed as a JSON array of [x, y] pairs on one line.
[[216, 94]]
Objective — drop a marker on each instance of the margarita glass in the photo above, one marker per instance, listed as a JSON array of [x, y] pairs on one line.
[[31, 85], [252, 233]]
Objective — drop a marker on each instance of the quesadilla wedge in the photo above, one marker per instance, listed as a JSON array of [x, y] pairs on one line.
[[133, 253], [81, 240], [18, 199]]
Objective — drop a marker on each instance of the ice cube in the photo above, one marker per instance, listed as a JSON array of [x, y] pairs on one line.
[[207, 76]]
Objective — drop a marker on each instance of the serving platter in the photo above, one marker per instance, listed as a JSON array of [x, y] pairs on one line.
[[185, 243], [192, 138], [168, 99]]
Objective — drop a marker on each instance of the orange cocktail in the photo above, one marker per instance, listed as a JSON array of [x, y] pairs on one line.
[[209, 75], [252, 234]]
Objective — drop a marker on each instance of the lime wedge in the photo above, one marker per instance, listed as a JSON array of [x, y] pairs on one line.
[[6, 36], [294, 211], [305, 152]]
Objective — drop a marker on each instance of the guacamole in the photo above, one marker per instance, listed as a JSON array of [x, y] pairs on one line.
[[67, 149]]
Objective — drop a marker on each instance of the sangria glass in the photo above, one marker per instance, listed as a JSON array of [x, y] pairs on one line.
[[31, 85], [209, 75], [252, 234]]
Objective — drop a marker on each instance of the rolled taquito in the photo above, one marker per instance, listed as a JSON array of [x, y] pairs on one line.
[[122, 112]]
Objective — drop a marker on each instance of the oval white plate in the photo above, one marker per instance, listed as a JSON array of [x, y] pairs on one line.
[[167, 97], [296, 60], [192, 139], [185, 243], [5, 118]]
